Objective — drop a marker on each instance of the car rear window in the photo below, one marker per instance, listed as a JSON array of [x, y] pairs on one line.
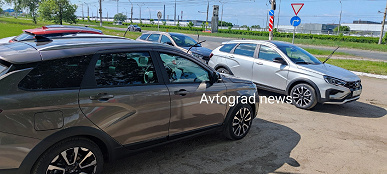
[[56, 74], [24, 36], [227, 48], [144, 36]]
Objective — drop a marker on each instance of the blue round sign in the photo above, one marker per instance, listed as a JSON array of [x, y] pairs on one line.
[[271, 12], [295, 21]]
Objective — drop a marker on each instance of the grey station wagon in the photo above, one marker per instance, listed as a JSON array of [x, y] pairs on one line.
[[68, 105]]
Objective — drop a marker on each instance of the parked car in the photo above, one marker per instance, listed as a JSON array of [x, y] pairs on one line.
[[181, 41], [287, 69], [69, 104], [134, 28], [51, 31]]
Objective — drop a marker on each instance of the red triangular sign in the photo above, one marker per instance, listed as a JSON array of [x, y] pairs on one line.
[[297, 7]]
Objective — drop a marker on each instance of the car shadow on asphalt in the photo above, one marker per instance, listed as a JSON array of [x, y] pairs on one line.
[[266, 148], [352, 109]]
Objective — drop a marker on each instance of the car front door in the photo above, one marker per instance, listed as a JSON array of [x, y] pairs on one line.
[[189, 83], [242, 59], [268, 73], [124, 95]]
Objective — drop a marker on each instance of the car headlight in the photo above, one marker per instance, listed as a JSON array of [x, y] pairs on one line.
[[335, 81]]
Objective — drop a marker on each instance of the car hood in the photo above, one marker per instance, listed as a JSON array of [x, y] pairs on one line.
[[200, 50], [333, 71]]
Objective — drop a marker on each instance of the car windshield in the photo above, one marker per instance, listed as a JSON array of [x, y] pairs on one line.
[[299, 56], [184, 41], [135, 26], [24, 36]]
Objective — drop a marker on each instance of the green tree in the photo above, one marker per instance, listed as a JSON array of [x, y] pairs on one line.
[[119, 17], [203, 26], [31, 5], [190, 25], [164, 22], [342, 28], [1, 11], [58, 11], [256, 26], [152, 21], [224, 24]]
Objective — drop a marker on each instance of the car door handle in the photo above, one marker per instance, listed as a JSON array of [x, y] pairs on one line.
[[231, 57], [259, 63], [181, 92], [102, 97]]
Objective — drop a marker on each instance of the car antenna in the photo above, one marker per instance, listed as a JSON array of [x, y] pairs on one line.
[[331, 54], [195, 45]]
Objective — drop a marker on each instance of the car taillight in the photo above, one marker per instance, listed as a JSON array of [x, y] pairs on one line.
[[211, 55], [10, 41]]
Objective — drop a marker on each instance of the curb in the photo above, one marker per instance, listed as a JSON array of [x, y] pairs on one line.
[[370, 75]]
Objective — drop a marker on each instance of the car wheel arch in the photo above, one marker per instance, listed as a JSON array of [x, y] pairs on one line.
[[106, 144], [306, 81], [223, 66]]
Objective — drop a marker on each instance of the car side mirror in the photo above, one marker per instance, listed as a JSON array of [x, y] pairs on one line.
[[280, 60], [215, 77]]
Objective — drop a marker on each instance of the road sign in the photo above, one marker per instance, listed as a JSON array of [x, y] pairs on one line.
[[297, 7], [271, 23], [159, 15], [295, 21], [271, 12]]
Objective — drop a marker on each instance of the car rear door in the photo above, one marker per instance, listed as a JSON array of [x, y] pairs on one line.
[[123, 94], [242, 59], [268, 73], [188, 81]]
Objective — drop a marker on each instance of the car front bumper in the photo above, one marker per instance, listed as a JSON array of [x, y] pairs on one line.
[[341, 95]]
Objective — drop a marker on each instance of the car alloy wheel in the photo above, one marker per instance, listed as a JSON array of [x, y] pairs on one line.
[[241, 122], [76, 155], [238, 122], [73, 160], [223, 70], [304, 96]]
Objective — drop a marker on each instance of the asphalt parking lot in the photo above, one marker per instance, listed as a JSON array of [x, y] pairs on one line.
[[350, 138]]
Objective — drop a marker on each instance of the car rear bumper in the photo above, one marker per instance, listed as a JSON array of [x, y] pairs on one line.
[[13, 150]]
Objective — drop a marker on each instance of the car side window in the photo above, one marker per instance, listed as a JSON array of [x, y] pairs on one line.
[[144, 36], [121, 69], [154, 38], [182, 70], [165, 39], [246, 49], [267, 53], [57, 74], [227, 48]]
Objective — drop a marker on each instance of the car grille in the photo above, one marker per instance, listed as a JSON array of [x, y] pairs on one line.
[[353, 85]]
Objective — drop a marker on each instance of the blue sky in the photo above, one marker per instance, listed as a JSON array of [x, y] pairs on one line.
[[247, 12]]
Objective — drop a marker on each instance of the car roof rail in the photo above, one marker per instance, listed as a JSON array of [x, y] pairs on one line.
[[42, 39]]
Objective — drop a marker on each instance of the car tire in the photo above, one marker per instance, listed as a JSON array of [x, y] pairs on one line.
[[74, 155], [223, 70], [238, 122], [304, 96]]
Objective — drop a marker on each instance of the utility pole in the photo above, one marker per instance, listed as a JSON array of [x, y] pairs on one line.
[[208, 9], [83, 16], [117, 6], [150, 15], [279, 11], [175, 14], [100, 13], [126, 13], [221, 17], [107, 15], [341, 12], [131, 12], [181, 17], [273, 7], [164, 13], [87, 10], [384, 22]]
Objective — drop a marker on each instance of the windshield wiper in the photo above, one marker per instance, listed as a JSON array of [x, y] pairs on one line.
[[331, 54], [195, 45]]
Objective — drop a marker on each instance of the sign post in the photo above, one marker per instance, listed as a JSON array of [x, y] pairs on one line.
[[295, 20], [271, 13], [159, 16]]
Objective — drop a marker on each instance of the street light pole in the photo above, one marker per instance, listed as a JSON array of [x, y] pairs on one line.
[[384, 21], [150, 16], [88, 15], [126, 13], [279, 12], [175, 14], [107, 15], [100, 13], [117, 6], [131, 12], [140, 12], [221, 17], [208, 9], [341, 12]]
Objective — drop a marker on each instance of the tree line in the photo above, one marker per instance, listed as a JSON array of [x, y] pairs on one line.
[[57, 11]]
